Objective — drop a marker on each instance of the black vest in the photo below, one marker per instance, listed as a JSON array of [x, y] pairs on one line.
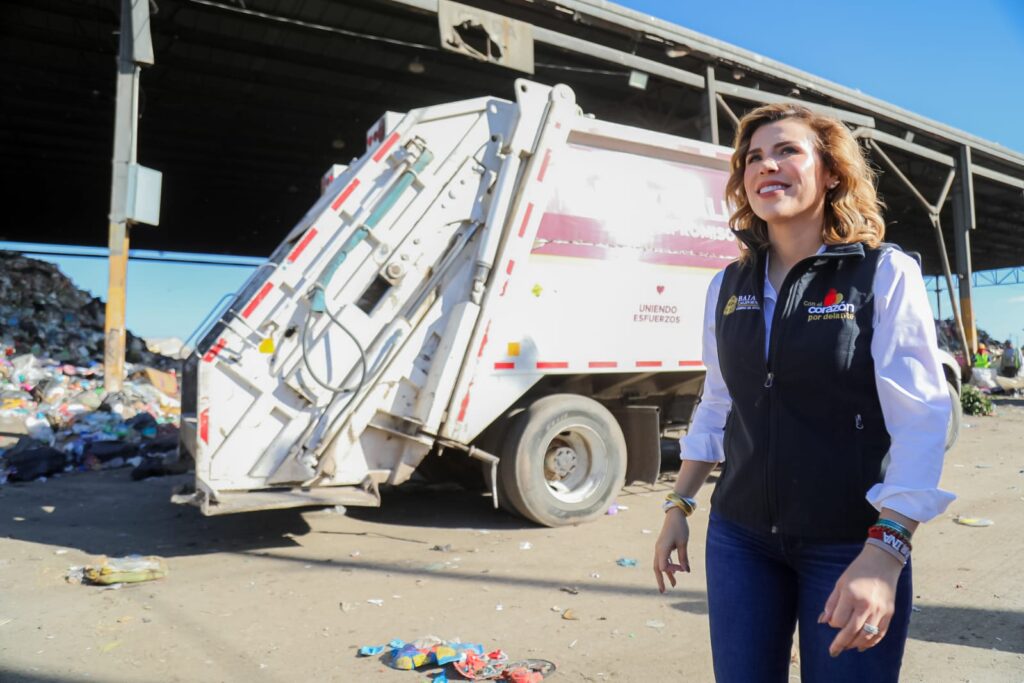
[[805, 438]]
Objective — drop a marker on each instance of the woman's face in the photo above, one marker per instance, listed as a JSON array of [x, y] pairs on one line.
[[785, 178]]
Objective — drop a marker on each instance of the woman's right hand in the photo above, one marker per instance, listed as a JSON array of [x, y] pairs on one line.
[[675, 534]]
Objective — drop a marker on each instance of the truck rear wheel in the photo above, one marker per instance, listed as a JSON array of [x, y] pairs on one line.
[[563, 460]]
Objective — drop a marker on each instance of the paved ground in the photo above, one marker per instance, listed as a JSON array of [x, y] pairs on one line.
[[283, 596]]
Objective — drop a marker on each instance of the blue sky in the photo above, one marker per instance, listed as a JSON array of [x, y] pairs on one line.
[[960, 63]]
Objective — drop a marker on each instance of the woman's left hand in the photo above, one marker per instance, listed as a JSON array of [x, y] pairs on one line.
[[864, 594]]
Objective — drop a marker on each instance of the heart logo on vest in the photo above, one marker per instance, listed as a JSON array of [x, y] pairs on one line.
[[660, 288], [833, 297]]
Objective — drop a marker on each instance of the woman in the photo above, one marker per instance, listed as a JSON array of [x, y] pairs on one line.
[[826, 405]]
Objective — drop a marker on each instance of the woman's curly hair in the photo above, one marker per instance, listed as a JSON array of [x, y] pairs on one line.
[[853, 212]]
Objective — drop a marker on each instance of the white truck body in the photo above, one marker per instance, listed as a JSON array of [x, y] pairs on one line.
[[479, 257]]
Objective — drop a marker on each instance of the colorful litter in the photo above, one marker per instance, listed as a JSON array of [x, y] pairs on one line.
[[466, 659]]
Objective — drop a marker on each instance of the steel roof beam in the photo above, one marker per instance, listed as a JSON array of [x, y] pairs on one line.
[[702, 44], [764, 97]]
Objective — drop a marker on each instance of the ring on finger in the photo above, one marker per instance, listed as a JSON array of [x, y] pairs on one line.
[[870, 629]]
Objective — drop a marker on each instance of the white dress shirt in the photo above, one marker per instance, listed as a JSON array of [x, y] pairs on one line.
[[908, 375]]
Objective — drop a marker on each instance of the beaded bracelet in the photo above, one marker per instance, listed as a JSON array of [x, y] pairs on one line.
[[895, 526], [894, 542]]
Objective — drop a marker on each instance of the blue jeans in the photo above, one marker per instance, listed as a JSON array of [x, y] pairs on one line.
[[760, 586]]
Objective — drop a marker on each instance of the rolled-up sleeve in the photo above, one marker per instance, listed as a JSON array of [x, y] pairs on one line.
[[912, 390], [703, 440]]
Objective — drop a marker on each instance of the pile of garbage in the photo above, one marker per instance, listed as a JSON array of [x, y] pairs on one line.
[[43, 313], [55, 414]]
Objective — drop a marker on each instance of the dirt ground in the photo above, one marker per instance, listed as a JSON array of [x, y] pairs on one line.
[[283, 596]]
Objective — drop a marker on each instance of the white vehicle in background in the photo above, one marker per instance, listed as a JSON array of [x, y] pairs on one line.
[[514, 282]]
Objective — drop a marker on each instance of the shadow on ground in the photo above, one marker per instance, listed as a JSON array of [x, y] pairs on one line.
[[989, 629], [108, 513]]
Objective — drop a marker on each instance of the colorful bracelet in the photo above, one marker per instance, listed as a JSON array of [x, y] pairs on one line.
[[687, 505], [894, 542], [895, 526], [887, 548]]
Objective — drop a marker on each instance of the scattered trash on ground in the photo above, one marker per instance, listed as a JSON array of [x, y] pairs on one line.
[[973, 521], [114, 571], [525, 545], [466, 659], [626, 562]]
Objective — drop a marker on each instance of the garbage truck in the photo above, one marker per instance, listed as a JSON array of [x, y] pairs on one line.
[[510, 288]]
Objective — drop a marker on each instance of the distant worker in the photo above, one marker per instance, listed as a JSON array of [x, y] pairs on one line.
[[981, 359], [1009, 364]]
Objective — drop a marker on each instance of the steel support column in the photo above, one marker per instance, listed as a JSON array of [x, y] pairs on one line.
[[963, 224], [711, 105], [135, 48]]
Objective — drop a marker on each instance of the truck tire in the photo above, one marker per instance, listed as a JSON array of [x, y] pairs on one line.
[[955, 418], [563, 460]]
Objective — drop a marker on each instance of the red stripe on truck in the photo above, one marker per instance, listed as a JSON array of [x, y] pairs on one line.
[[648, 363], [257, 300], [383, 149], [526, 219], [509, 267], [544, 166], [504, 366], [204, 425], [483, 342], [301, 246], [349, 189], [690, 363], [465, 405], [552, 365], [215, 349], [602, 364]]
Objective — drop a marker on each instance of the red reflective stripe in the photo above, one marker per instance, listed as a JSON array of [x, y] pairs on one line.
[[690, 363], [204, 425], [526, 219], [215, 349], [503, 288], [509, 267], [504, 366], [483, 342], [256, 300], [602, 364], [464, 406], [301, 246], [552, 365], [349, 189], [648, 363], [383, 149], [544, 166]]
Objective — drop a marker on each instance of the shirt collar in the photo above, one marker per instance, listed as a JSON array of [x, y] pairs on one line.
[[769, 291]]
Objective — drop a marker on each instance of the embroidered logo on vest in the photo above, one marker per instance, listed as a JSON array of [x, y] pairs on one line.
[[743, 302], [832, 308]]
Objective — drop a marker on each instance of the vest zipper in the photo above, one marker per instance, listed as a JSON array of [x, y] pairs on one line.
[[783, 297]]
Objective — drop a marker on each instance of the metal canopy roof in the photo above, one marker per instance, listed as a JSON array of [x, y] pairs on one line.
[[251, 100]]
